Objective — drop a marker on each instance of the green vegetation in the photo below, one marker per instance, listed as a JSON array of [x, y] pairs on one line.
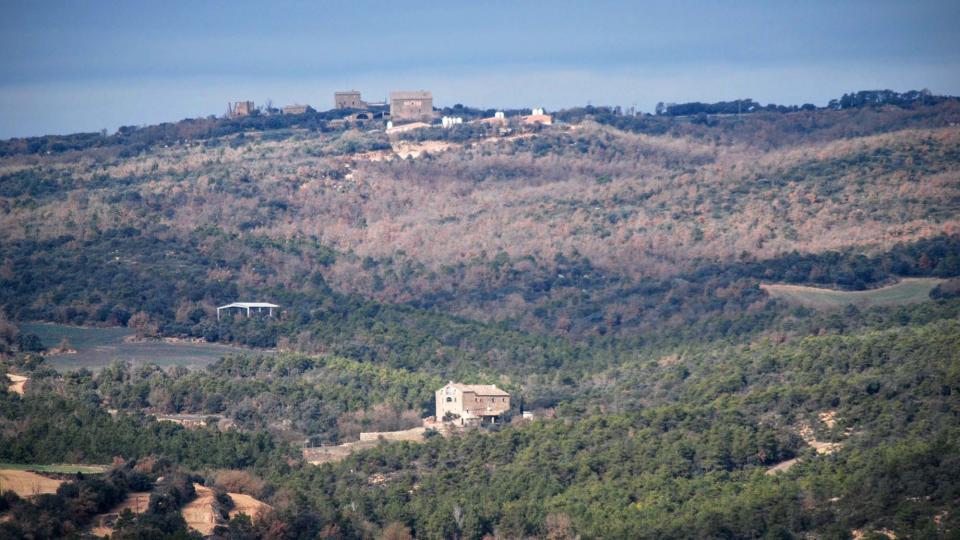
[[685, 455]]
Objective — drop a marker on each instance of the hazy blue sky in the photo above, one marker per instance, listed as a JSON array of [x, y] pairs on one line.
[[86, 65]]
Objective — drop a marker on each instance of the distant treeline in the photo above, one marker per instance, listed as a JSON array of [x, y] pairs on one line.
[[133, 139], [738, 106], [863, 98]]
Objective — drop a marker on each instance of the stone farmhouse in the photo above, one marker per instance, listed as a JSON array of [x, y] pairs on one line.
[[415, 105], [348, 99], [471, 403]]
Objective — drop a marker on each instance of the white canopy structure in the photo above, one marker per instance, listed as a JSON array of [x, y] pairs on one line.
[[259, 306]]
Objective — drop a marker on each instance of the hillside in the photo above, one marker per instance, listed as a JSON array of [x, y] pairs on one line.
[[568, 230], [725, 326]]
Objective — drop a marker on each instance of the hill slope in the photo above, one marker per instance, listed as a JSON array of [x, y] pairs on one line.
[[567, 230]]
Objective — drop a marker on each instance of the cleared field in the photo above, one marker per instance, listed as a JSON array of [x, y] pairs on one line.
[[98, 347], [26, 483], [907, 291], [199, 513], [62, 468], [333, 454], [782, 466], [137, 502], [245, 504], [17, 383], [201, 516]]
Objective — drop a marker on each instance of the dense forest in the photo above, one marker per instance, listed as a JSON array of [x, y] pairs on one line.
[[616, 274], [684, 455]]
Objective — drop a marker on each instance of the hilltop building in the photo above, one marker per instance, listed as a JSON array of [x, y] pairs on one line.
[[348, 99], [411, 105], [241, 108], [296, 109], [471, 403]]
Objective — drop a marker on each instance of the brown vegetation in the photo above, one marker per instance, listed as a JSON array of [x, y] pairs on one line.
[[238, 481], [382, 417], [469, 217]]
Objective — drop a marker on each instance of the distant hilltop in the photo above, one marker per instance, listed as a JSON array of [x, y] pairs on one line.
[[350, 110]]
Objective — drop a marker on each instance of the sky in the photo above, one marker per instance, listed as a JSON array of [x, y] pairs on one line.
[[87, 65]]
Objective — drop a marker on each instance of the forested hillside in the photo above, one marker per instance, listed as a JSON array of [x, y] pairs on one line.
[[571, 230], [605, 270]]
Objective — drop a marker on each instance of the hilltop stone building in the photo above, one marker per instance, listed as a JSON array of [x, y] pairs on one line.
[[242, 108], [412, 105], [348, 99], [472, 403], [296, 109]]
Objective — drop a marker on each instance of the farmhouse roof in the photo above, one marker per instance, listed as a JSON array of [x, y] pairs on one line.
[[479, 389]]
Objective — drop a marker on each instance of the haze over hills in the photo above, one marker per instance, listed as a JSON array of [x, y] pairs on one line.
[[622, 276]]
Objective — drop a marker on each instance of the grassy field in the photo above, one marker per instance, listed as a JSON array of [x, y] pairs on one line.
[[27, 483], [60, 468], [98, 347], [907, 291]]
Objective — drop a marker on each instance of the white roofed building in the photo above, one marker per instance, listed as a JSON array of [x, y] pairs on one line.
[[258, 306]]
